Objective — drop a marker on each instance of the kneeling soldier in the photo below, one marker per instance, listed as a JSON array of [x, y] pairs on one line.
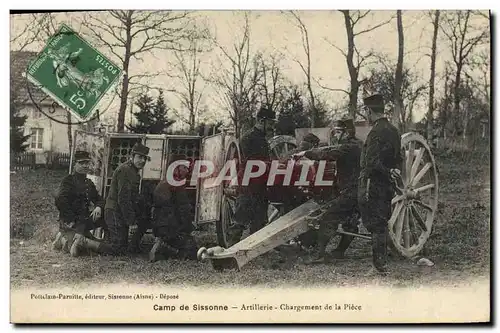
[[75, 195], [172, 219]]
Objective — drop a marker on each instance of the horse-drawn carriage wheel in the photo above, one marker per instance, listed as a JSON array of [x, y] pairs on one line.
[[228, 199], [281, 145], [415, 207]]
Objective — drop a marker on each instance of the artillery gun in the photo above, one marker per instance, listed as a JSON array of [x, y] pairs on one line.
[[293, 211], [414, 204]]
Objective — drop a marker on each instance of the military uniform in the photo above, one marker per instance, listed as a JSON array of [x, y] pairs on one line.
[[252, 201], [75, 196], [347, 157], [310, 141], [381, 153], [122, 205], [172, 221]]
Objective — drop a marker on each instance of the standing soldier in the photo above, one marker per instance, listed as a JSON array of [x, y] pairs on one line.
[[76, 194], [347, 156], [121, 210], [252, 202], [173, 218], [381, 160]]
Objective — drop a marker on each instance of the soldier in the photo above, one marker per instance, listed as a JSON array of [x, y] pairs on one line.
[[380, 161], [347, 156], [76, 194], [173, 217], [252, 201], [121, 210], [308, 142]]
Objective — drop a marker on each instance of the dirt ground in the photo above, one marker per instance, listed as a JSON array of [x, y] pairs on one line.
[[459, 244]]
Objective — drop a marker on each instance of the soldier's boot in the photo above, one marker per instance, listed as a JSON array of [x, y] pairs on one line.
[[379, 250], [97, 246], [80, 243], [64, 244], [155, 250], [345, 242], [76, 247], [319, 255], [67, 241], [57, 243], [135, 242]]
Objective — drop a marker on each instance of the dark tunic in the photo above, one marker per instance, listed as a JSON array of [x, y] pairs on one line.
[[254, 146], [252, 202], [124, 195], [173, 214], [74, 198], [381, 153], [347, 156]]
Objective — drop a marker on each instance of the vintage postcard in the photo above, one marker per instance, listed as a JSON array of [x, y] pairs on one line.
[[328, 166]]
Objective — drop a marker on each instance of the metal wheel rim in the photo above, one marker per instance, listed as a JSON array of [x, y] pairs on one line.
[[228, 202]]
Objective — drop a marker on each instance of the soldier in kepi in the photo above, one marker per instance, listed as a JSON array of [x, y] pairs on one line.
[[380, 163], [173, 219], [122, 205], [76, 217], [252, 201], [346, 154]]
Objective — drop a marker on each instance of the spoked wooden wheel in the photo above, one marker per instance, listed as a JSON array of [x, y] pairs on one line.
[[282, 145], [228, 203], [415, 207]]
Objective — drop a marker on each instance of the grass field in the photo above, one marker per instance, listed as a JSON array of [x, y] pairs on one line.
[[459, 244]]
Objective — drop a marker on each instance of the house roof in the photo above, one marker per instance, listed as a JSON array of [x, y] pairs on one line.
[[19, 61]]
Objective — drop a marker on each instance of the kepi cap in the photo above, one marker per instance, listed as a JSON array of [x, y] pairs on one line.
[[141, 149]]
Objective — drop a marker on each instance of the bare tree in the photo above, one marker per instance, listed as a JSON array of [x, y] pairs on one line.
[[398, 80], [306, 68], [411, 90], [38, 29], [129, 34], [271, 88], [238, 83], [480, 63], [462, 37], [355, 59], [430, 112], [189, 79]]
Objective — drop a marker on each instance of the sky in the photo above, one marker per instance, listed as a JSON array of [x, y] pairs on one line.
[[274, 32]]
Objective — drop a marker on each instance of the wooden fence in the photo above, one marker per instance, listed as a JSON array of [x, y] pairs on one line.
[[28, 161]]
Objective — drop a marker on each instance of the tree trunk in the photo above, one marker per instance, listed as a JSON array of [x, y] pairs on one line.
[[430, 111], [126, 62], [456, 96], [353, 73], [192, 121], [398, 80], [70, 136], [444, 108]]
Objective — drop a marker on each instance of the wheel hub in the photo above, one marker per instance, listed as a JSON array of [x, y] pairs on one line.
[[411, 194]]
